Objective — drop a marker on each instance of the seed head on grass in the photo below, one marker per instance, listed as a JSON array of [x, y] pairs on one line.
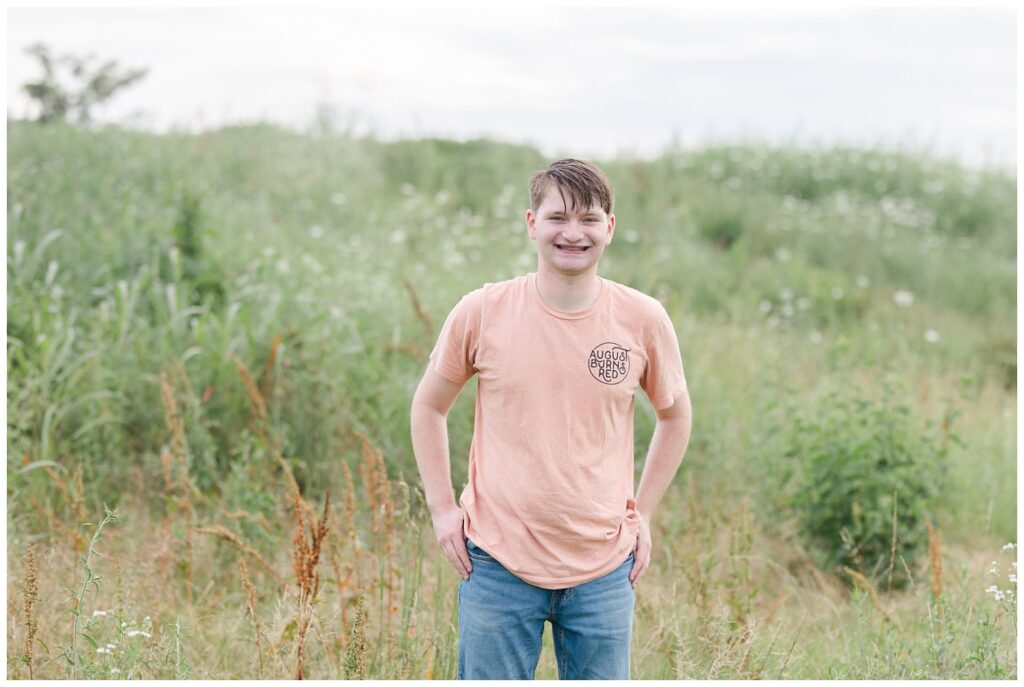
[[250, 591], [269, 368], [935, 557], [31, 596], [355, 655], [305, 556]]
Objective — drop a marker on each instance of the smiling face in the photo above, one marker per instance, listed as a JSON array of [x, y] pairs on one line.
[[570, 241]]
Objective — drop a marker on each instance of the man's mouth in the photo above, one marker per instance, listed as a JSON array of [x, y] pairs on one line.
[[571, 249]]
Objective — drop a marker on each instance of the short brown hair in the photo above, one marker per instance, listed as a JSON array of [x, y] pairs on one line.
[[584, 181]]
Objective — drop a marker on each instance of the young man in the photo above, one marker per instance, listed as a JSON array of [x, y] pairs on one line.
[[548, 528]]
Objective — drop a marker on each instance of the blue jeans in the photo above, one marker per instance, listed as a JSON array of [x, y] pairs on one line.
[[501, 622]]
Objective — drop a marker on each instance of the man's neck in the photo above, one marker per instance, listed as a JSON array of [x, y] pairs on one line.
[[568, 293]]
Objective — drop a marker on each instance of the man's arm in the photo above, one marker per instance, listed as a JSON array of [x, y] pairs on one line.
[[429, 426], [668, 445], [671, 435]]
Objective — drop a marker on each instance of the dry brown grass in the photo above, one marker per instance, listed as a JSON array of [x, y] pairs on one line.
[[78, 541], [935, 560], [268, 369], [250, 593], [31, 596], [177, 480], [73, 493], [421, 313], [382, 508], [227, 535], [261, 425], [866, 585], [305, 556]]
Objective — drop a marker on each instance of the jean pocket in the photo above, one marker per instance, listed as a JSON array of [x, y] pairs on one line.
[[476, 553]]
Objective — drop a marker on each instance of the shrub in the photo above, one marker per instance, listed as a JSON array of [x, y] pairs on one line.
[[859, 462]]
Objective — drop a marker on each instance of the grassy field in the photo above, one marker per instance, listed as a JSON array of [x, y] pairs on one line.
[[213, 341]]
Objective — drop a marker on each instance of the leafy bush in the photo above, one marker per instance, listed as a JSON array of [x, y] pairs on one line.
[[861, 462]]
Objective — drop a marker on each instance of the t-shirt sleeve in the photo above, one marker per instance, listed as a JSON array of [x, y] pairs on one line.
[[663, 379], [454, 354]]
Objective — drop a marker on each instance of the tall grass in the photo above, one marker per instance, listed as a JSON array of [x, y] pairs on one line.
[[213, 331]]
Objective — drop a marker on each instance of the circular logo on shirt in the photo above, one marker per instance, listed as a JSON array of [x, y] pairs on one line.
[[609, 363]]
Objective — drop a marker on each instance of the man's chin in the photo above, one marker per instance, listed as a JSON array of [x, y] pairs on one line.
[[570, 270]]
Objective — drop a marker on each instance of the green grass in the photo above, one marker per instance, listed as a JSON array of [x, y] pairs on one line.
[[131, 254]]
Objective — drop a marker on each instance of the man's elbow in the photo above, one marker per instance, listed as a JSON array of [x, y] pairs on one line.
[[679, 413]]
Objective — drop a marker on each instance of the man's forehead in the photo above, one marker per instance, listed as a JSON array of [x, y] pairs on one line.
[[556, 198]]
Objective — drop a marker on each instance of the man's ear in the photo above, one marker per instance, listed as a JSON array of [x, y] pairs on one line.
[[530, 222], [611, 227]]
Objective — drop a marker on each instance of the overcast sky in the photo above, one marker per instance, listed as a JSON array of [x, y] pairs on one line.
[[586, 82]]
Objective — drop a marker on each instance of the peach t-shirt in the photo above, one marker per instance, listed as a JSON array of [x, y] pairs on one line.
[[551, 462]]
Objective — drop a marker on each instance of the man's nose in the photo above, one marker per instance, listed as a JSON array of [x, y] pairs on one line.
[[572, 231]]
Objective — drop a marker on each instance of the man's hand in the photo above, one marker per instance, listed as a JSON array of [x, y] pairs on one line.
[[448, 528], [641, 552]]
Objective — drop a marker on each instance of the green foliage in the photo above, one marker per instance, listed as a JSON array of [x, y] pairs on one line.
[[724, 223], [186, 261], [864, 466], [95, 86]]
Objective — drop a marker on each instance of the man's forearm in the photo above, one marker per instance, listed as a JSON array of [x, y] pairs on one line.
[[663, 459], [429, 430]]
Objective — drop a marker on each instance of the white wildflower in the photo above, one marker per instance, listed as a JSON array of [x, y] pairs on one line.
[[862, 281], [103, 650], [903, 299], [837, 293], [136, 633], [98, 614], [316, 231], [816, 337], [931, 336], [408, 189], [1012, 578], [786, 294], [998, 595], [339, 198], [992, 590], [803, 303], [787, 310], [782, 255], [764, 307], [282, 266], [442, 197], [114, 670], [631, 236], [268, 251], [397, 236], [1009, 546]]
